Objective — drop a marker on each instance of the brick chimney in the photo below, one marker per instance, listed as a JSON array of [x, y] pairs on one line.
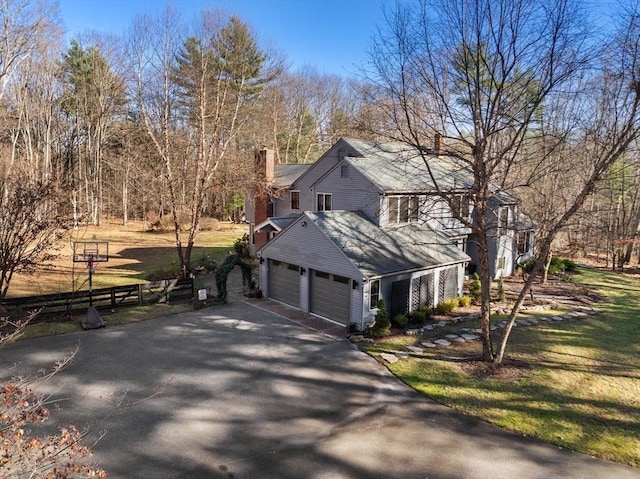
[[263, 201], [265, 165], [438, 144]]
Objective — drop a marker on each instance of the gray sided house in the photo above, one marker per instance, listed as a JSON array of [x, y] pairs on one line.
[[368, 221], [338, 264]]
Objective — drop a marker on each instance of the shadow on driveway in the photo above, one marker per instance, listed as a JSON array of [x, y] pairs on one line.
[[239, 392]]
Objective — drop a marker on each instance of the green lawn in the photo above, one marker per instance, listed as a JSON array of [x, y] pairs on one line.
[[574, 383]]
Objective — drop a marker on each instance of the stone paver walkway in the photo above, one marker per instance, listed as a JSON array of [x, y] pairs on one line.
[[465, 334]]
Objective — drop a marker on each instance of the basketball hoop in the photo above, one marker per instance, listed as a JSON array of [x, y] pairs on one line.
[[90, 252]]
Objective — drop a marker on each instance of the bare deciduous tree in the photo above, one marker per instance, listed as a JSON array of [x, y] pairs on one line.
[[195, 94], [481, 74], [30, 225]]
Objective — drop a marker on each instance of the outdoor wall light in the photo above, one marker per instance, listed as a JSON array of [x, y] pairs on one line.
[[261, 260], [354, 284], [302, 271], [304, 223]]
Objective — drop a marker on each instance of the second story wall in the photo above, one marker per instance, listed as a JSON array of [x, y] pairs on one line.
[[306, 183], [398, 209], [345, 188]]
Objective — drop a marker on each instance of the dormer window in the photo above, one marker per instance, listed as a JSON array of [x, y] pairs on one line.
[[324, 202], [295, 200]]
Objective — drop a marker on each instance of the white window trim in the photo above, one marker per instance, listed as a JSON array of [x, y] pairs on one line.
[[373, 306], [324, 201]]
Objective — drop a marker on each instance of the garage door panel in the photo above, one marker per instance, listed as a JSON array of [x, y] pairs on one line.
[[284, 282], [331, 296]]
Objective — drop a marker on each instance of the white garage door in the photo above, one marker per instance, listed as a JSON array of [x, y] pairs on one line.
[[284, 282], [331, 296]]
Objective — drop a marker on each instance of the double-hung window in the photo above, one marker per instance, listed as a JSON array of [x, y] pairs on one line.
[[374, 294], [295, 200], [324, 202]]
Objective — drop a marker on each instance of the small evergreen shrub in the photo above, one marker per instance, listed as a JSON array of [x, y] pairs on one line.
[[382, 325], [417, 316], [400, 321], [501, 293], [559, 265], [464, 301], [475, 288], [570, 266]]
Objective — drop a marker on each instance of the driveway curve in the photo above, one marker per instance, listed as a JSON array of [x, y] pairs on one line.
[[238, 392]]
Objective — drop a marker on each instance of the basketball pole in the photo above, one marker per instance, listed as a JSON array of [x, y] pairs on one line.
[[90, 282]]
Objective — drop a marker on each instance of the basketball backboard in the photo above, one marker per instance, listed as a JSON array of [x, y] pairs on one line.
[[90, 251]]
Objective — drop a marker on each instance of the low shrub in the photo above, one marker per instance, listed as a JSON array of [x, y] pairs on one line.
[[570, 266], [204, 262], [209, 224], [464, 301], [165, 223], [418, 316], [447, 306], [400, 321], [559, 265], [428, 312]]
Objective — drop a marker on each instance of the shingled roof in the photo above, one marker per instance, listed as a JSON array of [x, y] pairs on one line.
[[396, 167], [286, 174], [379, 251]]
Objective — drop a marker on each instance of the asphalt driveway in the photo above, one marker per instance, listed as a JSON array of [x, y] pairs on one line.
[[238, 392]]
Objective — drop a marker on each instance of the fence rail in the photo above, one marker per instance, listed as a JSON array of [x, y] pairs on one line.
[[105, 298]]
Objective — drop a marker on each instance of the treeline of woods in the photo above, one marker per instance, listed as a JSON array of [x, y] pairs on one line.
[[161, 123]]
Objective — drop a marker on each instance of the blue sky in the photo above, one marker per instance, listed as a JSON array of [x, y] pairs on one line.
[[329, 35]]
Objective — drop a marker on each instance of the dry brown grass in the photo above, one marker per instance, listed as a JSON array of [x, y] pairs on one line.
[[134, 253]]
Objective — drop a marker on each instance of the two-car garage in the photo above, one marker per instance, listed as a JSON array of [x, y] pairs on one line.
[[329, 294]]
